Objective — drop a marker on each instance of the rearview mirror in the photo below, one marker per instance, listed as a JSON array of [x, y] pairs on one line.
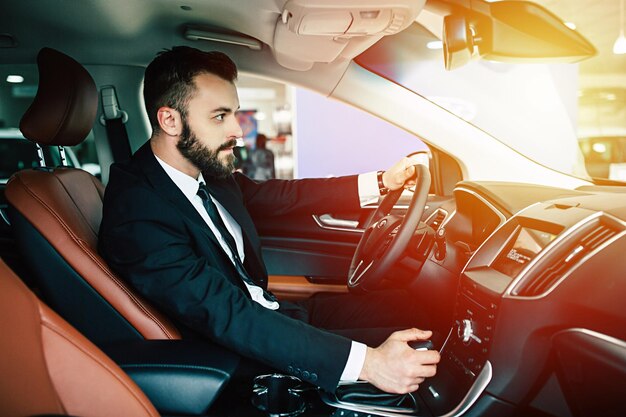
[[458, 41], [509, 31]]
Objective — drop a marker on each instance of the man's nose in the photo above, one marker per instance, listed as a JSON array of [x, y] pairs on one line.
[[235, 129]]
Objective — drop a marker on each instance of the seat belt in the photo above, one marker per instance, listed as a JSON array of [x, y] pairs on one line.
[[113, 119]]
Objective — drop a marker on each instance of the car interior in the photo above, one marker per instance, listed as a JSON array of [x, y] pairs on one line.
[[516, 262]]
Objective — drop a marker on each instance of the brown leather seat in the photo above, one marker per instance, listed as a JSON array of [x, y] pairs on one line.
[[56, 216], [47, 367]]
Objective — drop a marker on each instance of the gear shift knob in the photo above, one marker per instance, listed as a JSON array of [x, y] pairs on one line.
[[422, 345]]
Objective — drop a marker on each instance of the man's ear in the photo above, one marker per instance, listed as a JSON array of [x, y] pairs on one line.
[[170, 121]]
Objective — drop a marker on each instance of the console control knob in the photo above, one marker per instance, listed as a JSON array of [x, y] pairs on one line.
[[465, 331], [440, 243]]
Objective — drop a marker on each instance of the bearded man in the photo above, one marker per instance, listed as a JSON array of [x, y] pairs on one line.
[[177, 225]]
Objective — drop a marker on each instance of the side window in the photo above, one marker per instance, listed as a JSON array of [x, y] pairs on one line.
[[85, 156], [17, 153], [337, 139], [309, 135], [18, 87]]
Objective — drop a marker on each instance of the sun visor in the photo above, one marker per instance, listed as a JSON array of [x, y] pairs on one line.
[[311, 31]]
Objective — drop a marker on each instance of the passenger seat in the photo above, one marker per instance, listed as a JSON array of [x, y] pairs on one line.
[[55, 214], [47, 367]]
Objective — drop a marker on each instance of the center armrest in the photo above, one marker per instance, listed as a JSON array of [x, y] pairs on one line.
[[178, 376]]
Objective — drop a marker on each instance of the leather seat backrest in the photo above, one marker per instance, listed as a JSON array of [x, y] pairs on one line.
[[56, 214], [47, 367]]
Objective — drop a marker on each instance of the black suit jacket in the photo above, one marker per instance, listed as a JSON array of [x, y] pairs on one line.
[[154, 238]]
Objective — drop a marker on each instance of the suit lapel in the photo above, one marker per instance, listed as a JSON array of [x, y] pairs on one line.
[[164, 185], [225, 191]]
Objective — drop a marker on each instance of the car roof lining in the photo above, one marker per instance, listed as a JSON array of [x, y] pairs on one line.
[[132, 32]]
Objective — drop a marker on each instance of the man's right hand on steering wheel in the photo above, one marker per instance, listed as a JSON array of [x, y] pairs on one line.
[[400, 174]]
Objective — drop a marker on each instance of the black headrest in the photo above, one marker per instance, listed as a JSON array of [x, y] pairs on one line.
[[65, 106]]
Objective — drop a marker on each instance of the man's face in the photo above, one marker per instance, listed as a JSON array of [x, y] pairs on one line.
[[210, 129]]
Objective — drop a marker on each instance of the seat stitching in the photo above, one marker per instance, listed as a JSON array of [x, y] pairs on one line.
[[131, 295], [104, 269], [34, 304], [171, 366], [58, 330], [57, 177]]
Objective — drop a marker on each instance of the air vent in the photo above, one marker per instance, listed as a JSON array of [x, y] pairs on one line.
[[598, 236], [425, 244], [436, 219], [562, 264]]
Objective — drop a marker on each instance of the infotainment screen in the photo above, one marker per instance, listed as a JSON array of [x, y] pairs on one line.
[[523, 249]]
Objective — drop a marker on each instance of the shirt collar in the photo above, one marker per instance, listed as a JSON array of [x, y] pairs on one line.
[[188, 185]]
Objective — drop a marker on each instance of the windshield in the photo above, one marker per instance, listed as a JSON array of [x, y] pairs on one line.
[[569, 117]]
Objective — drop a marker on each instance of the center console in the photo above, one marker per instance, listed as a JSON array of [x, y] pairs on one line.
[[507, 279], [464, 370]]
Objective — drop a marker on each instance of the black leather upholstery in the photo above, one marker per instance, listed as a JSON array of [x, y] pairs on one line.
[[65, 106], [369, 395], [178, 376], [66, 291]]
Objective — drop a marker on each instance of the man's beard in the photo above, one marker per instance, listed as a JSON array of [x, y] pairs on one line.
[[204, 158]]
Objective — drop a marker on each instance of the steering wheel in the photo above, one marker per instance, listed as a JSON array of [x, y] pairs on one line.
[[387, 236]]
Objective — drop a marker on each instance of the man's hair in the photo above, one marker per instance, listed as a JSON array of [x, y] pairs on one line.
[[169, 78]]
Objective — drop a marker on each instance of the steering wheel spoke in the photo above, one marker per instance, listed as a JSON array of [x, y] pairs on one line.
[[360, 270], [387, 236]]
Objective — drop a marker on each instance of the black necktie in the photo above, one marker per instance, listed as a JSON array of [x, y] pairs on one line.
[[211, 209]]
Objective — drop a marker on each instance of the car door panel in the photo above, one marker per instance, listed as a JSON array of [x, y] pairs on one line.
[[311, 253], [297, 245]]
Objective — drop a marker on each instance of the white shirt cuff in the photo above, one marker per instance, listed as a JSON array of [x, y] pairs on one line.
[[368, 188], [354, 365]]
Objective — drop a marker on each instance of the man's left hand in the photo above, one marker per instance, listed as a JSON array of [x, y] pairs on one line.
[[400, 174]]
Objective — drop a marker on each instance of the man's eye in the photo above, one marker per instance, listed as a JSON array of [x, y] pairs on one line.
[[220, 117]]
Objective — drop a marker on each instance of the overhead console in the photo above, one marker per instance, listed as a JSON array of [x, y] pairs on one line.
[[311, 31], [531, 276]]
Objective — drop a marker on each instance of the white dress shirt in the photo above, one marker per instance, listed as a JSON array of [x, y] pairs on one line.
[[368, 193]]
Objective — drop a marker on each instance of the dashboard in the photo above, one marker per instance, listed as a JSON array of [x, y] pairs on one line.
[[539, 316]]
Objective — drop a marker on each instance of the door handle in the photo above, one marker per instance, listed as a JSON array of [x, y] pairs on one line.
[[327, 221]]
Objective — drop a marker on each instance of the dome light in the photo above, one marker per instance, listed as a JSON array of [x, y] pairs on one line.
[[15, 79]]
